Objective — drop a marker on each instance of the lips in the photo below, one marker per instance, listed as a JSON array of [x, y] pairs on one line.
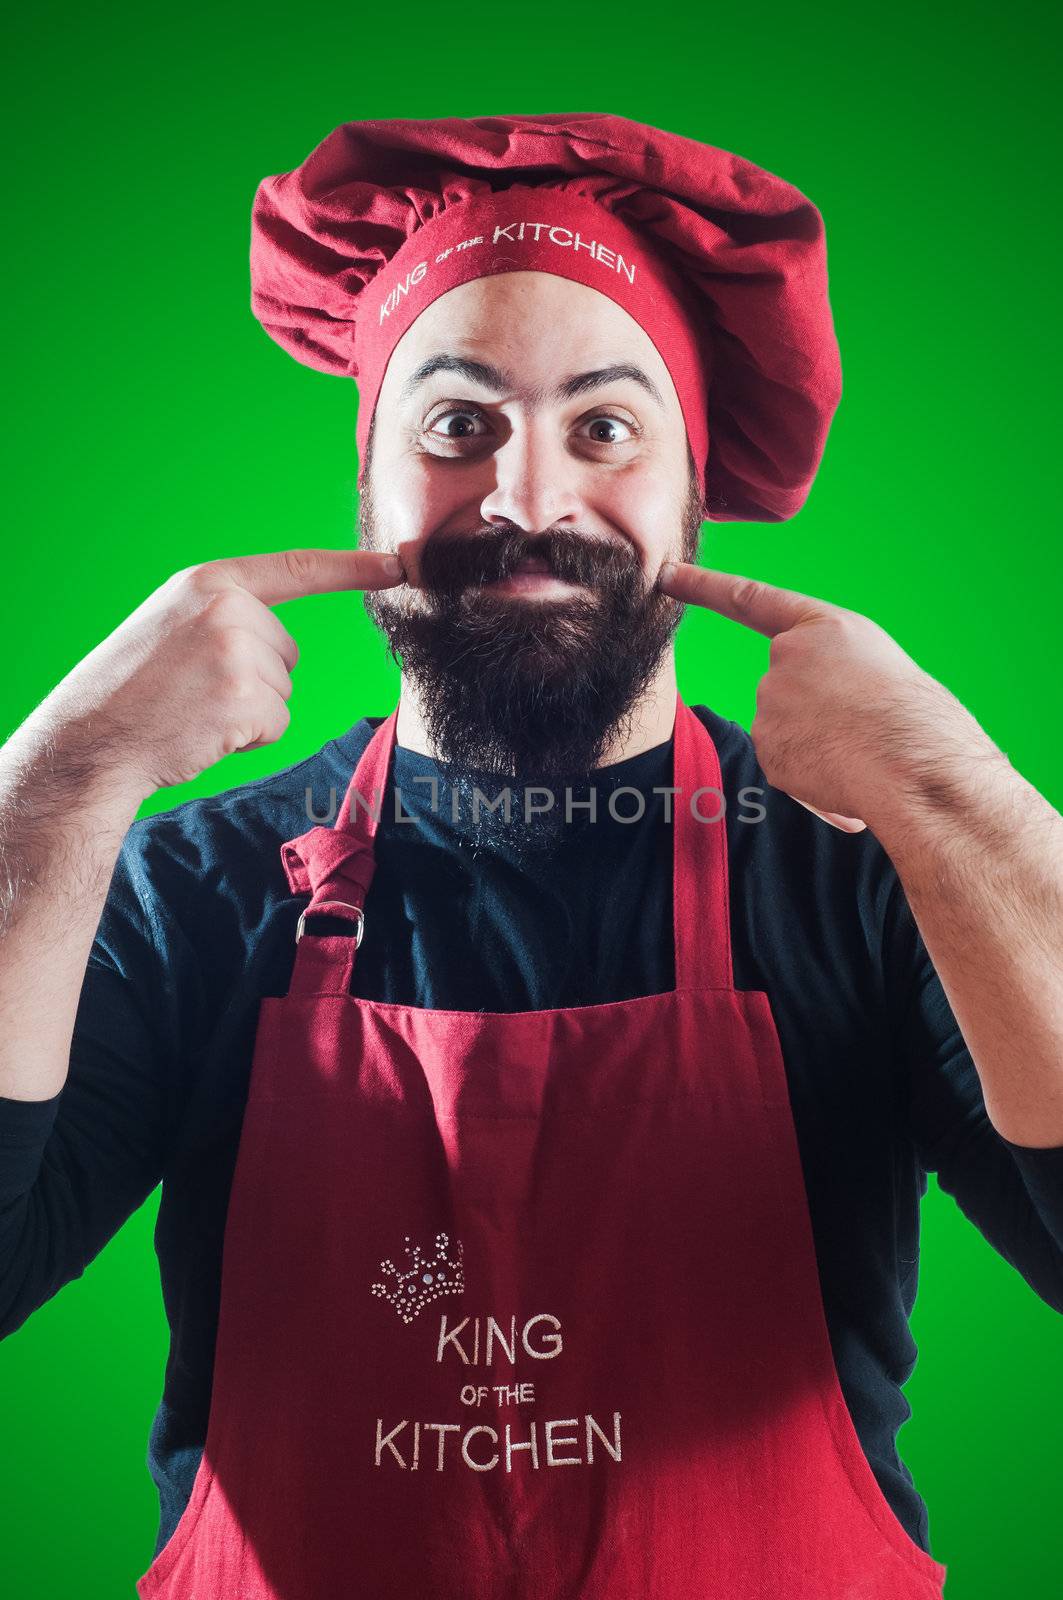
[[532, 564]]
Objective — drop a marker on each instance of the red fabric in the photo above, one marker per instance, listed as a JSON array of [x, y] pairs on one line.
[[740, 252], [522, 1305]]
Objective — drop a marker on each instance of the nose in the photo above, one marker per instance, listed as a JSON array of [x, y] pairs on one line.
[[536, 480]]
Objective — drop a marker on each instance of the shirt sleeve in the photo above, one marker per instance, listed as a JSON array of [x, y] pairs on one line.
[[75, 1167], [1013, 1194]]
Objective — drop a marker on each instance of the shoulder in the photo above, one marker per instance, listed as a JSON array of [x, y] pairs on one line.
[[208, 871], [224, 833]]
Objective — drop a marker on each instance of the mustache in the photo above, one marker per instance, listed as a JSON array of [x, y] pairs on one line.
[[450, 562]]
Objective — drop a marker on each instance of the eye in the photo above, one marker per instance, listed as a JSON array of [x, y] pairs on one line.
[[465, 416], [613, 423]]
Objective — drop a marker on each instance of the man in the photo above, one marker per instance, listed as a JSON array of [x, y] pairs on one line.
[[566, 1152]]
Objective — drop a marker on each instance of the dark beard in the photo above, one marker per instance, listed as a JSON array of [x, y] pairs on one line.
[[527, 688]]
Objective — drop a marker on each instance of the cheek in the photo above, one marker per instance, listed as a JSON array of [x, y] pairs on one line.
[[414, 502], [415, 499], [642, 508]]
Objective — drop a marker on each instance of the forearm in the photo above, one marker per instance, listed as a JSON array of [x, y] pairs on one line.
[[64, 811], [980, 859]]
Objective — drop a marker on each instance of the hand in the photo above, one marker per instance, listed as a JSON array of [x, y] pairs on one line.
[[201, 668], [843, 712]]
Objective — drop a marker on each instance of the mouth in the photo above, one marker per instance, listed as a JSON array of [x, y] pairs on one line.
[[531, 576]]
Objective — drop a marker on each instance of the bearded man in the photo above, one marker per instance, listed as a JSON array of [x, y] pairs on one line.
[[584, 1131]]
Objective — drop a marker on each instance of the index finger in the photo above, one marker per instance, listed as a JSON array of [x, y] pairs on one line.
[[761, 606], [288, 574]]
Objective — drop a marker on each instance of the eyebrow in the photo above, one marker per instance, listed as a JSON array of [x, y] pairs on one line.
[[494, 378]]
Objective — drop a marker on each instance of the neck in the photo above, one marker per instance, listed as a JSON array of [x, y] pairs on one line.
[[652, 720]]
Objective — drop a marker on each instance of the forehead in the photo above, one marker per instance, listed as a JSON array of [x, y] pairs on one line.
[[533, 324]]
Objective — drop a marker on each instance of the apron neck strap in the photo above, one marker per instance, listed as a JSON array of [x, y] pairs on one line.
[[701, 892]]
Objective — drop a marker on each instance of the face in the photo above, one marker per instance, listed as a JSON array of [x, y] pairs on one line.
[[529, 463]]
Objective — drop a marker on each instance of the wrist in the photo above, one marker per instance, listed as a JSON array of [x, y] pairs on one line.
[[955, 809], [943, 772], [80, 760]]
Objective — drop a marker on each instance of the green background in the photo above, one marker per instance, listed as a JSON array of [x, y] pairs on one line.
[[153, 424]]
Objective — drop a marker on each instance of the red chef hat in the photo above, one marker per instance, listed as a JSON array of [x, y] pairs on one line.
[[720, 262]]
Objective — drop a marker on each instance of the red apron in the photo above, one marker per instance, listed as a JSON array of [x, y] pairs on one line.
[[523, 1306]]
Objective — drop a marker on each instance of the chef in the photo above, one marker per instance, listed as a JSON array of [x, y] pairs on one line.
[[541, 1171]]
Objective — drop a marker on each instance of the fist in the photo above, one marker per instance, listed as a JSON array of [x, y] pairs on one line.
[[202, 667]]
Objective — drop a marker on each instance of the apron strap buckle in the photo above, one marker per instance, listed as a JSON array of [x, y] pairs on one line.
[[328, 906]]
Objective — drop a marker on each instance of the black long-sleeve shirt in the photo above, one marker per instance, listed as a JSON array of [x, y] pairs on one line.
[[199, 925]]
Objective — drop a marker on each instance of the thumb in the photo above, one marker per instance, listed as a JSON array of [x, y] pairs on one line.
[[835, 818]]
